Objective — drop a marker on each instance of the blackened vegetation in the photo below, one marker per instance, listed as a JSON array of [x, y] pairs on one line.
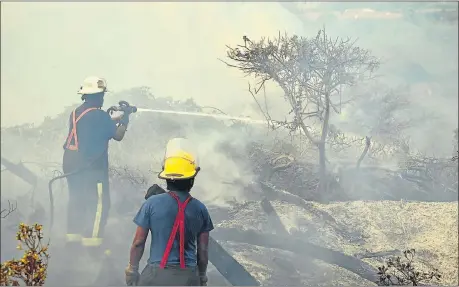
[[431, 175], [126, 176], [402, 271], [126, 183]]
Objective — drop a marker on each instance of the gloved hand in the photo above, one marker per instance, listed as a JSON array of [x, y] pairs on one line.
[[124, 120], [203, 279], [132, 275]]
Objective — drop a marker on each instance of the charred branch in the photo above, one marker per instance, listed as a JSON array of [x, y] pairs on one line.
[[7, 211], [21, 171], [365, 151]]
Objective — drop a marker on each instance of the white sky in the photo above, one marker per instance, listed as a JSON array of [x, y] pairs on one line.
[[49, 48]]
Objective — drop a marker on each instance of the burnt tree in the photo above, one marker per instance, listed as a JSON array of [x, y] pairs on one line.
[[311, 71]]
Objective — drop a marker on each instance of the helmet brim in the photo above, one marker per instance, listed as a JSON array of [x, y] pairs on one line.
[[176, 176], [91, 91]]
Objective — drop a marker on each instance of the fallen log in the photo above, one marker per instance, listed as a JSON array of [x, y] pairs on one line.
[[279, 228], [298, 246], [232, 270], [273, 218], [378, 254], [20, 171], [271, 194]]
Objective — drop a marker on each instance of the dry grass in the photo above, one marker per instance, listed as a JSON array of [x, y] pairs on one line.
[[430, 228], [272, 266]]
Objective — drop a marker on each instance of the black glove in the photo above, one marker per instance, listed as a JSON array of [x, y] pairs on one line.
[[203, 279], [132, 275], [124, 120]]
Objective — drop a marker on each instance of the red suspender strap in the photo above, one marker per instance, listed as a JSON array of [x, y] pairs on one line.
[[73, 133], [179, 224]]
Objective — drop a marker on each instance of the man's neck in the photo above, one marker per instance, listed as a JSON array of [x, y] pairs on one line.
[[175, 190], [92, 105]]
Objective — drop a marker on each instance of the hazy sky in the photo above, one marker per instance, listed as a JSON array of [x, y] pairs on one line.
[[49, 48]]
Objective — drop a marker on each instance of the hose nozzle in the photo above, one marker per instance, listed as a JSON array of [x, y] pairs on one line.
[[124, 107]]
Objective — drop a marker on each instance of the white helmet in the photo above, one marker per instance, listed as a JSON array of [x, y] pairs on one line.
[[93, 85]]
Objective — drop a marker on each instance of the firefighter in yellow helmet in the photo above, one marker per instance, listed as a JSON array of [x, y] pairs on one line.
[[179, 225]]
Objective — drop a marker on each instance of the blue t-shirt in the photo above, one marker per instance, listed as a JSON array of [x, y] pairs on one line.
[[158, 215], [94, 131]]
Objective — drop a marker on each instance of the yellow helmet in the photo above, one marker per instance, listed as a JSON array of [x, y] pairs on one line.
[[180, 160]]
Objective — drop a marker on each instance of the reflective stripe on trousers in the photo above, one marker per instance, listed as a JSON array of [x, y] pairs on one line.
[[95, 240]]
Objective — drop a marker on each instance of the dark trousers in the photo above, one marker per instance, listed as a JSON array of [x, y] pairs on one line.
[[152, 275], [89, 200]]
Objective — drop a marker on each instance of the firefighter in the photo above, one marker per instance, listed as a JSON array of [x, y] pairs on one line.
[[86, 159], [179, 225]]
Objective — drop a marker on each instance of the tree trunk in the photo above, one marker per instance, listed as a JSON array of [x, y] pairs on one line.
[[321, 145], [365, 151], [322, 168]]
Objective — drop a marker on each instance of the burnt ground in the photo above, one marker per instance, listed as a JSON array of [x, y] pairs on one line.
[[323, 244]]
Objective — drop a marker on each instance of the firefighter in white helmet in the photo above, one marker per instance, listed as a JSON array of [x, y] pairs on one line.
[[86, 160], [179, 225]]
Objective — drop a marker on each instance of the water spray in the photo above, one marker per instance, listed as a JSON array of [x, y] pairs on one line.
[[198, 114]]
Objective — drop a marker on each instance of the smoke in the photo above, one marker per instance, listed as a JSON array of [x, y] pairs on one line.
[[47, 49], [174, 47], [171, 47]]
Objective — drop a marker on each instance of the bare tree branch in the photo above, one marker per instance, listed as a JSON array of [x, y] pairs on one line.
[[11, 208]]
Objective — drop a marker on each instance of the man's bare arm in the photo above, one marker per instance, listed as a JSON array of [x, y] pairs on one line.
[[203, 253], [138, 246]]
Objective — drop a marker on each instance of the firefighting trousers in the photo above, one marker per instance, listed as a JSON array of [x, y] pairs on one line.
[[152, 275], [88, 206]]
